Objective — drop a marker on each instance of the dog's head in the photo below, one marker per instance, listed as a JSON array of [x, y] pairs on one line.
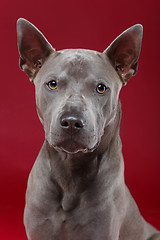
[[77, 90]]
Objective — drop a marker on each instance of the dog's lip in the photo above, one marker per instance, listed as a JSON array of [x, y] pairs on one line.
[[85, 150], [73, 150], [71, 145]]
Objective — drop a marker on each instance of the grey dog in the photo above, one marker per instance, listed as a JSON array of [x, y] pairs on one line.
[[76, 188]]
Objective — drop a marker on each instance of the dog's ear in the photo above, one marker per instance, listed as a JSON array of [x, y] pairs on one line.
[[33, 47], [124, 52]]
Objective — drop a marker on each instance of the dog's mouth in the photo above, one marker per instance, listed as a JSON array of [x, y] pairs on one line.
[[73, 147], [77, 143]]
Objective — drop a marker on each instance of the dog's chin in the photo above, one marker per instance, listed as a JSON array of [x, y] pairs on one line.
[[72, 147]]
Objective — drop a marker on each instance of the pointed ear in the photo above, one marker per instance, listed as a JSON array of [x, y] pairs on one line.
[[124, 52], [33, 47]]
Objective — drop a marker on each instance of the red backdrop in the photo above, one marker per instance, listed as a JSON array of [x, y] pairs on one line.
[[78, 24]]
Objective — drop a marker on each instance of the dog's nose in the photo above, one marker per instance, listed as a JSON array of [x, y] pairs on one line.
[[71, 123]]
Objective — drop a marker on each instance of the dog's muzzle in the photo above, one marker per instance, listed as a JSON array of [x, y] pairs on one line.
[[72, 133]]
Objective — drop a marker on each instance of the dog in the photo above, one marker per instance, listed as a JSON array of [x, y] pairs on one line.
[[76, 189]]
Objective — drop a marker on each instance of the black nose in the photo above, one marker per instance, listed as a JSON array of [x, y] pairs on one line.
[[71, 123]]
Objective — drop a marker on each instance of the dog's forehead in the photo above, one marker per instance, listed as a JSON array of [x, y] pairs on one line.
[[80, 55], [76, 61], [79, 64]]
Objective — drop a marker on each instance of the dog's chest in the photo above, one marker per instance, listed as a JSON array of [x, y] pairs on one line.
[[80, 223]]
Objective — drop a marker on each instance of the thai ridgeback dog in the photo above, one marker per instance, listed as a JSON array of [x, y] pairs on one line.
[[76, 188]]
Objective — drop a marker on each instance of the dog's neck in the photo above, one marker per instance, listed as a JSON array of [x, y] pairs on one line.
[[74, 173]]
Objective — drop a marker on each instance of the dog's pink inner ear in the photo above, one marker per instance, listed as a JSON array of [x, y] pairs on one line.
[[33, 47], [124, 52]]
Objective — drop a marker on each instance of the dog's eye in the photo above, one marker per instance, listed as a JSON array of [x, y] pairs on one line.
[[52, 85], [101, 88]]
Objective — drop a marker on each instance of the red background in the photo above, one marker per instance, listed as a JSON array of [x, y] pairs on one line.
[[78, 24]]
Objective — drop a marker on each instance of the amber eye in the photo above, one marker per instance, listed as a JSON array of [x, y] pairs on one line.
[[101, 88], [52, 85]]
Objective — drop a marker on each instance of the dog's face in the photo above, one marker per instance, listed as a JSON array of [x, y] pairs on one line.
[[76, 98], [77, 90]]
